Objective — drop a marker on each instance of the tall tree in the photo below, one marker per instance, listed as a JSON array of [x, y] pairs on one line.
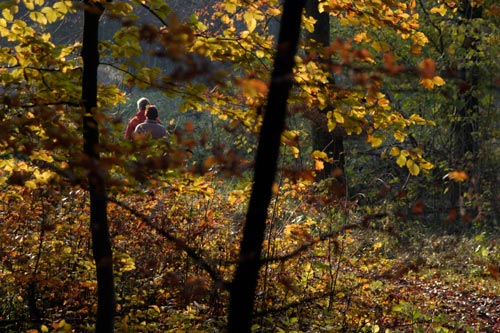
[[246, 276], [465, 122], [101, 243], [332, 143]]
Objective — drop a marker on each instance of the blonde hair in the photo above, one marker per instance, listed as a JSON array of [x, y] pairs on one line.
[[142, 103]]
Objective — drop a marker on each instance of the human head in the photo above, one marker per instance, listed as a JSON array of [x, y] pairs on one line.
[[152, 112], [142, 103]]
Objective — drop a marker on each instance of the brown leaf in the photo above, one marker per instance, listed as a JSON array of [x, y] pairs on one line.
[[493, 269]]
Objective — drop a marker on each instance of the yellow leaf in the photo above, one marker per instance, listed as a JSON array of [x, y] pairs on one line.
[[50, 13], [319, 165], [395, 151], [426, 165], [338, 117], [62, 6], [250, 21], [30, 184], [309, 23], [43, 177], [399, 135], [156, 308], [401, 161], [319, 155], [230, 7], [38, 17], [428, 83], [413, 167], [374, 140], [44, 329], [420, 38], [441, 10], [30, 5], [42, 155], [417, 119], [7, 14], [438, 80], [331, 123]]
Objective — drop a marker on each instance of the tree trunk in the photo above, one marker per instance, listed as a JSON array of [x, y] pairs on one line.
[[244, 284], [101, 243], [465, 123], [332, 143]]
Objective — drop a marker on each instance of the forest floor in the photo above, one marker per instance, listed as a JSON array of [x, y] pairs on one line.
[[452, 303]]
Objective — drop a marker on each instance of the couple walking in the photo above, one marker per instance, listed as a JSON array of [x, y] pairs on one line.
[[145, 122]]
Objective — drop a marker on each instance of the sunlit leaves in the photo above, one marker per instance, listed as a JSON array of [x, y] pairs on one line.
[[431, 83], [400, 16], [250, 20], [320, 158], [63, 7], [411, 159], [308, 23]]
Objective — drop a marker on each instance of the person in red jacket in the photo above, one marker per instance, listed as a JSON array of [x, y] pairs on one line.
[[139, 117]]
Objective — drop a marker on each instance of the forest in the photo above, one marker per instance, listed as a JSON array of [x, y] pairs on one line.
[[329, 166]]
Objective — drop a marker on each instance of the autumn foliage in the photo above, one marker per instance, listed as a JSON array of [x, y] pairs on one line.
[[407, 244]]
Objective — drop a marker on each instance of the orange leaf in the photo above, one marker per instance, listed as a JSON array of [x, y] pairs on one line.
[[427, 68], [319, 165], [428, 83], [458, 176]]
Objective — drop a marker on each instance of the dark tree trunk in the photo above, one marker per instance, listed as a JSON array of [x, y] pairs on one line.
[[465, 123], [242, 291], [101, 243], [332, 143]]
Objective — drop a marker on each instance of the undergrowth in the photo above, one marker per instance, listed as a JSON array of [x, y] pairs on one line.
[[328, 265]]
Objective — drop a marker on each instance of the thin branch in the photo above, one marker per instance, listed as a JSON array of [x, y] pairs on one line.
[[298, 251], [179, 243]]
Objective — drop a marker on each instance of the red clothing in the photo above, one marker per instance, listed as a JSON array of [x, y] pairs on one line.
[[136, 120], [139, 118]]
